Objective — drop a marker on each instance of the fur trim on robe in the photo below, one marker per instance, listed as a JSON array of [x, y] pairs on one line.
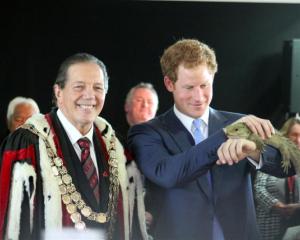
[[136, 188], [22, 173], [52, 196]]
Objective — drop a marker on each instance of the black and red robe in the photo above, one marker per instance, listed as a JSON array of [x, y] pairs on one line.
[[30, 201]]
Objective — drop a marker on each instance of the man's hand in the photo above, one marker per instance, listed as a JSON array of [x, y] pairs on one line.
[[286, 210], [280, 208], [259, 126], [234, 150], [149, 219]]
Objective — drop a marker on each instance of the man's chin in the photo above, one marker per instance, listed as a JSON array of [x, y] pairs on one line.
[[197, 114], [87, 120]]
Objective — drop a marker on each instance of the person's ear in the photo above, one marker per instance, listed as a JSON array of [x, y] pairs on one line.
[[57, 92], [169, 84], [126, 107]]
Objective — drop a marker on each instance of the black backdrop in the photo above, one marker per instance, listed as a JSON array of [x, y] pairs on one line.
[[130, 36]]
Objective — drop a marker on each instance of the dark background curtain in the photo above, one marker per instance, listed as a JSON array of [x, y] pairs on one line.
[[130, 37]]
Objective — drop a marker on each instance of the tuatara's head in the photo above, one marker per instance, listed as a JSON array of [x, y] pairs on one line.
[[237, 130]]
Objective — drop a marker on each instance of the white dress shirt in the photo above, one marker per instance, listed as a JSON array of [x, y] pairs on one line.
[[74, 135], [188, 123]]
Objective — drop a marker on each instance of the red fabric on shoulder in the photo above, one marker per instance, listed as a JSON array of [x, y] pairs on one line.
[[9, 158], [128, 155]]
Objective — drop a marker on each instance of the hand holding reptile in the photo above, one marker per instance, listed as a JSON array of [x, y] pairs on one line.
[[289, 151]]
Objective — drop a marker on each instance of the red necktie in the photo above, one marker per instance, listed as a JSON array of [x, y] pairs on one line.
[[291, 188], [88, 166]]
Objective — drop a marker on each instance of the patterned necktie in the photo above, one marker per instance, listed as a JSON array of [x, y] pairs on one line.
[[88, 166], [217, 233]]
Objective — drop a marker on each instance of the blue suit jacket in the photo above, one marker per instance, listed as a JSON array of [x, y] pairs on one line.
[[181, 200]]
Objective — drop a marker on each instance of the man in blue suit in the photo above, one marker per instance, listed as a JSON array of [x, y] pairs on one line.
[[200, 190]]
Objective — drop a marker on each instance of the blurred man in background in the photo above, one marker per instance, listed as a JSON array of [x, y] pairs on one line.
[[19, 110], [141, 103]]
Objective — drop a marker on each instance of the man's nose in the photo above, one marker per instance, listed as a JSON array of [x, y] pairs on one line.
[[144, 103], [89, 92], [198, 93]]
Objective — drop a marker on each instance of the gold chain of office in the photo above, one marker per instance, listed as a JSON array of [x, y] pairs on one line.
[[72, 199]]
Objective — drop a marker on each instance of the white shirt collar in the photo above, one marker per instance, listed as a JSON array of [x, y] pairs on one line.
[[72, 132], [187, 121]]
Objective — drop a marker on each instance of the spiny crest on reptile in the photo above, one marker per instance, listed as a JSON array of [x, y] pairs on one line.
[[289, 151]]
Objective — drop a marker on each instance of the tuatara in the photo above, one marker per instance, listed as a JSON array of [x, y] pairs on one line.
[[289, 151]]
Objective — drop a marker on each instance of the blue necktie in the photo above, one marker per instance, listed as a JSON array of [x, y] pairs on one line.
[[217, 233], [198, 136]]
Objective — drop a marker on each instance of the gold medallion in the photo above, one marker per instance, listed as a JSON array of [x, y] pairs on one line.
[[66, 179], [75, 196], [71, 208], [76, 217], [63, 170], [80, 204], [101, 218], [71, 188], [58, 162], [66, 199], [86, 211], [62, 189]]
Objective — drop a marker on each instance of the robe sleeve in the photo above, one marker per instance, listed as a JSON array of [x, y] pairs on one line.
[[19, 149]]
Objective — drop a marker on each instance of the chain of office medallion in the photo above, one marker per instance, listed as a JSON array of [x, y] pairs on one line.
[[70, 194]]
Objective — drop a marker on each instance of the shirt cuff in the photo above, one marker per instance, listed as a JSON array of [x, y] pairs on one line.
[[257, 165]]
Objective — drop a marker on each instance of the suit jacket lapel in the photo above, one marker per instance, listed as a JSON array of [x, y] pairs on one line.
[[184, 140], [103, 178], [180, 135], [216, 121]]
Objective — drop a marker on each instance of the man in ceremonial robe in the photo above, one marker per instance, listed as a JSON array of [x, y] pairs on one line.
[[49, 181]]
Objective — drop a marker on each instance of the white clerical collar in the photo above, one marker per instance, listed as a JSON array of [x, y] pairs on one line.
[[187, 120], [72, 132]]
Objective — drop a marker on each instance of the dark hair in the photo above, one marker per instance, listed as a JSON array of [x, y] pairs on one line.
[[62, 78]]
